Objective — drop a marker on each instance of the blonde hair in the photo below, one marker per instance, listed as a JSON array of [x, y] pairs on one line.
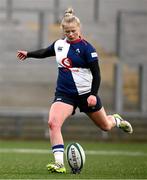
[[69, 17]]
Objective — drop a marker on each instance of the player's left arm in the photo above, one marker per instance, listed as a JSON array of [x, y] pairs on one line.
[[92, 60], [95, 70]]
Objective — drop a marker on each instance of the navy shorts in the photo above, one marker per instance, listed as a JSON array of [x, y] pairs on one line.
[[79, 101]]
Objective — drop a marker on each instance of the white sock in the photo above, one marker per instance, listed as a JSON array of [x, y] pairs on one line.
[[58, 151], [117, 120], [59, 157]]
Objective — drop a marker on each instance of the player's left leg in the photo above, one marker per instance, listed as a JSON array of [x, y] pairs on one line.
[[123, 124], [107, 122], [101, 119]]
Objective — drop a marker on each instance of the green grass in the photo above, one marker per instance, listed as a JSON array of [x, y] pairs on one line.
[[112, 161]]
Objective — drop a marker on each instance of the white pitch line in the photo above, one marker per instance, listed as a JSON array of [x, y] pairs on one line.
[[116, 153], [88, 152]]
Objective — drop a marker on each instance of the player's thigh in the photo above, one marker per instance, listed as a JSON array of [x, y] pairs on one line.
[[99, 117], [59, 112]]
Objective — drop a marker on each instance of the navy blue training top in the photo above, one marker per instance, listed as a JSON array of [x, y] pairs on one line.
[[78, 69]]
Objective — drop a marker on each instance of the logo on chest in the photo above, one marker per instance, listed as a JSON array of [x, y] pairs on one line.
[[78, 51], [66, 62], [60, 48]]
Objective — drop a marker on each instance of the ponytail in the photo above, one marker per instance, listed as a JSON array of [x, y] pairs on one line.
[[69, 17]]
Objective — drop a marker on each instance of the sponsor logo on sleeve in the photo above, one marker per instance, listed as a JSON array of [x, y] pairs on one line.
[[94, 54]]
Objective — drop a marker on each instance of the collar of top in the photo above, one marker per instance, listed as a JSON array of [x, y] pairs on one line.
[[73, 42]]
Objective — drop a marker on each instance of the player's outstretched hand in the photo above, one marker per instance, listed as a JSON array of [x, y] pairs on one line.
[[21, 55]]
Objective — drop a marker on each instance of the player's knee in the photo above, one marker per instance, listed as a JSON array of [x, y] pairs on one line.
[[53, 125]]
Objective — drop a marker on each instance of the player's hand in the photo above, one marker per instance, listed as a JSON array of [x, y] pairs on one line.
[[22, 55], [91, 100]]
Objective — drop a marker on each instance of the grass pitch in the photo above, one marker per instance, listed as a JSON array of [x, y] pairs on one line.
[[28, 159]]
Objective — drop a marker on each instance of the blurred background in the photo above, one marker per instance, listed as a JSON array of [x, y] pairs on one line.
[[118, 30]]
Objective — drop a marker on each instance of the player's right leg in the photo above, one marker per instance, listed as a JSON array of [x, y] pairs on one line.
[[56, 167], [59, 112]]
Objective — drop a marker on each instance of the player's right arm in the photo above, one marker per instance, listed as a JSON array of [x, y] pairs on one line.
[[41, 53], [22, 55]]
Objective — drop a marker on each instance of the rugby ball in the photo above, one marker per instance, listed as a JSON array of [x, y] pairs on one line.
[[75, 156]]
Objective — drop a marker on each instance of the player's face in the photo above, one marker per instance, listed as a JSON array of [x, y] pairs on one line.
[[71, 31]]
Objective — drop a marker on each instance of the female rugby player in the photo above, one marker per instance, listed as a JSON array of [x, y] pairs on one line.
[[77, 86]]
